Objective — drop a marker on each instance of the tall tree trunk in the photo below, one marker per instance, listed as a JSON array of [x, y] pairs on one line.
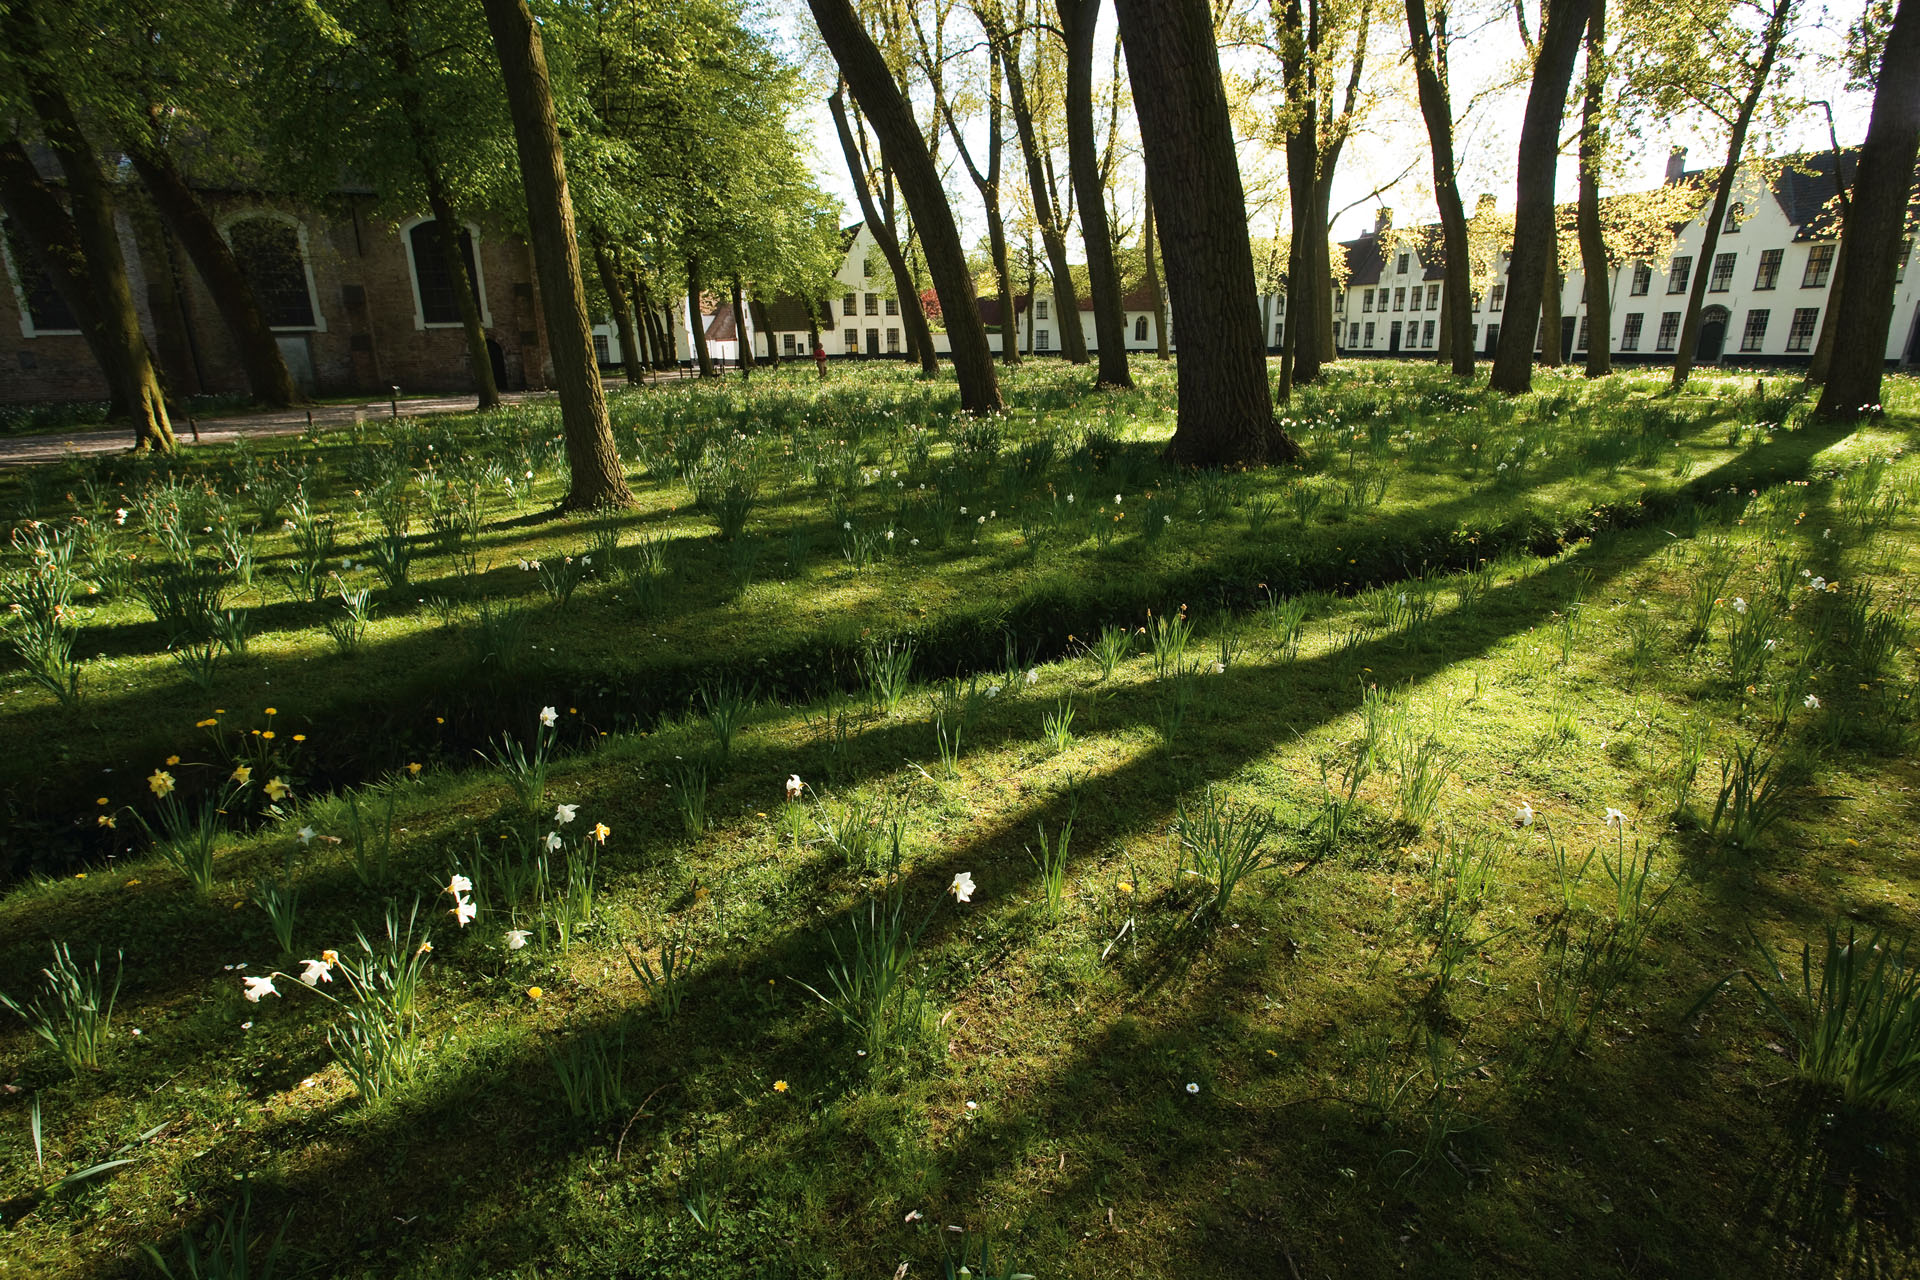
[[1533, 221], [1077, 21], [763, 322], [1775, 33], [813, 334], [123, 348], [741, 343], [447, 235], [648, 320], [1303, 167], [1830, 321], [630, 357], [266, 370], [1593, 243], [1430, 47], [695, 328], [1157, 298], [1066, 299], [989, 186], [1551, 306], [913, 317], [1225, 406], [905, 152], [593, 459], [41, 224], [1872, 238]]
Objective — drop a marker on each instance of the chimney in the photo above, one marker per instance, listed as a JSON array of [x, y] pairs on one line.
[[1382, 220], [1676, 164]]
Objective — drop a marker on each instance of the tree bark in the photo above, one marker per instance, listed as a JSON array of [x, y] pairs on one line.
[[1776, 32], [1593, 243], [989, 186], [1303, 167], [1429, 44], [597, 477], [630, 356], [1551, 307], [905, 153], [696, 329], [1870, 243], [1066, 299], [1077, 21], [447, 235], [913, 317], [1225, 406], [1533, 221], [648, 320], [764, 324], [186, 218], [1157, 298], [1823, 345], [740, 341], [126, 361]]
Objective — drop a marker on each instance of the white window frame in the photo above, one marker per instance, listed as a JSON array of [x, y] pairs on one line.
[[413, 278], [319, 324]]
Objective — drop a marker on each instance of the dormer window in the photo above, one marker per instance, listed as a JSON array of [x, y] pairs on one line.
[[1404, 258], [1736, 214]]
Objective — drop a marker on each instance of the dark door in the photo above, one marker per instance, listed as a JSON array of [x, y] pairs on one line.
[[1393, 338], [1566, 338], [1713, 335], [1493, 338]]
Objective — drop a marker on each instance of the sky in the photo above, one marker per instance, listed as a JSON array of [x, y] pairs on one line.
[[1390, 149]]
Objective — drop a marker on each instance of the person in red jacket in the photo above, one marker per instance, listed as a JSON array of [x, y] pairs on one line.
[[820, 359]]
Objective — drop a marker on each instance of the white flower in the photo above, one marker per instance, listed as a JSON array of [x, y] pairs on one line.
[[549, 717], [1116, 499], [1193, 1086], [1812, 702], [1523, 814], [1818, 584], [316, 971], [516, 939], [847, 525], [553, 840], [993, 691], [257, 987], [1739, 605], [794, 786], [1615, 818], [463, 911], [458, 885], [119, 515], [1033, 676], [563, 813], [304, 835], [962, 887], [1219, 668]]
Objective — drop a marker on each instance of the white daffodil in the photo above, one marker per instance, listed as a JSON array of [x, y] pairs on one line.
[[316, 971], [563, 813], [458, 885], [517, 938], [1739, 605], [1615, 818], [463, 911], [1033, 676], [1523, 814], [794, 786], [305, 836], [257, 987], [962, 887], [1811, 701], [549, 717], [553, 841]]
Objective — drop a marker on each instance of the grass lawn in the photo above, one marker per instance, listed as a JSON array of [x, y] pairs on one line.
[[958, 835]]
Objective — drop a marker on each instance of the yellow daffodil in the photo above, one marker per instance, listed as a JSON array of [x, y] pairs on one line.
[[277, 790], [241, 773], [601, 831], [161, 783], [414, 768]]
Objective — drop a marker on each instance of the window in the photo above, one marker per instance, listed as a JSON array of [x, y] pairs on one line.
[[1353, 335], [893, 306], [1497, 297], [1399, 299], [602, 350], [1140, 329], [1642, 279], [1414, 303], [853, 342], [893, 340], [1366, 300], [786, 344], [1369, 338], [1755, 334], [42, 309], [1426, 335], [1679, 273], [1819, 265], [1433, 297], [1279, 333], [1736, 214], [1769, 272], [433, 281], [873, 304], [1381, 300], [1475, 340], [850, 306], [1669, 330], [1580, 342], [1043, 339], [1340, 302], [1722, 273], [1478, 301], [1900, 267], [1040, 309], [866, 268], [1403, 262], [1800, 335], [267, 251], [1630, 332]]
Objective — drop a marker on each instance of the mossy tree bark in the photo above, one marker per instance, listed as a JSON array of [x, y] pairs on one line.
[[1077, 21]]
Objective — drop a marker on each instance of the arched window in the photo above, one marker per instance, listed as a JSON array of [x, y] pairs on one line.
[[434, 300], [269, 253], [1140, 329], [43, 311]]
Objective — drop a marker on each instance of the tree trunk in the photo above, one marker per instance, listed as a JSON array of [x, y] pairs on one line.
[[123, 348], [1077, 20], [1533, 221], [695, 329], [1429, 44], [1303, 168], [1158, 299], [1829, 322], [1551, 306], [597, 478], [1871, 241], [905, 152], [41, 224], [1066, 299], [630, 357], [1593, 243], [447, 234], [1723, 193], [913, 317], [1225, 407], [764, 324], [741, 344], [260, 358]]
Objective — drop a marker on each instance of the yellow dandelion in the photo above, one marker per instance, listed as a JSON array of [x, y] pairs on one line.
[[534, 993], [267, 734], [173, 760], [208, 723], [129, 884], [101, 800], [779, 1086], [272, 712], [299, 737]]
